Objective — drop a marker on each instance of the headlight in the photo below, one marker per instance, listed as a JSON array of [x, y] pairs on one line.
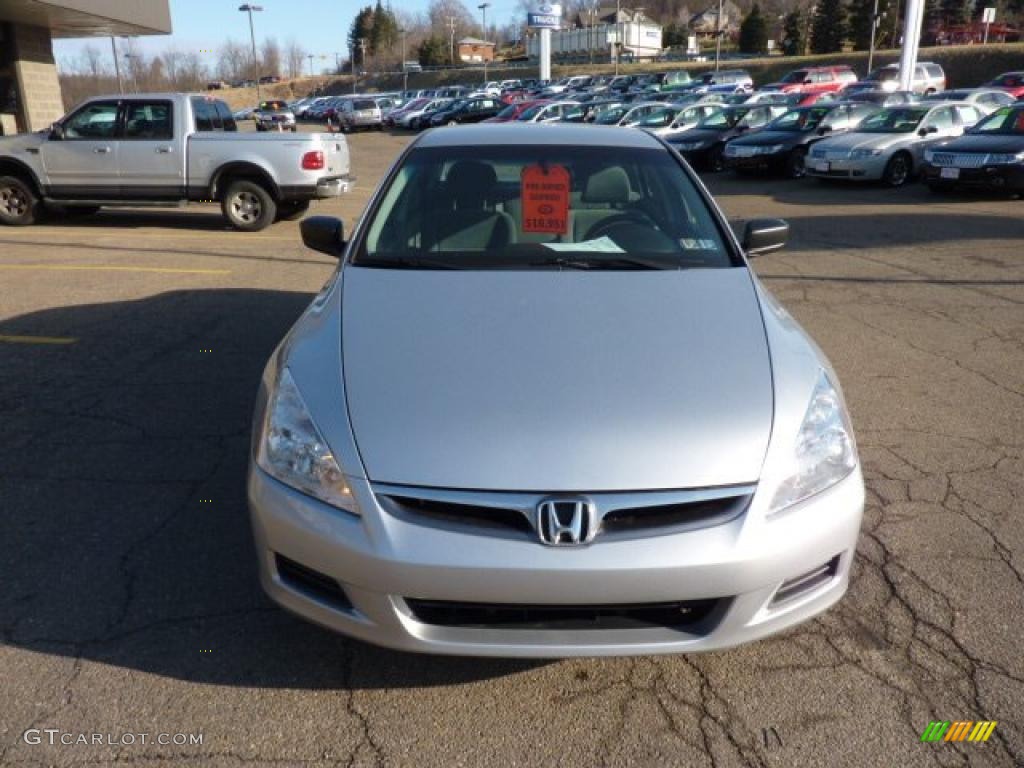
[[824, 452], [860, 154], [771, 149], [1005, 159], [292, 450]]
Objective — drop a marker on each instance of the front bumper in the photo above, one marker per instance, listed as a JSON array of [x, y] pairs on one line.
[[771, 162], [382, 562], [860, 169], [994, 177]]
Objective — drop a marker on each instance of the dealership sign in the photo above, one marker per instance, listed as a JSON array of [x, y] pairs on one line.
[[545, 16]]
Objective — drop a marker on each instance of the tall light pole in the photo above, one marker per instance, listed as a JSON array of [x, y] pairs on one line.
[[483, 10], [874, 31], [250, 8], [310, 56], [618, 34], [405, 69], [718, 36], [132, 68], [451, 49], [117, 65]]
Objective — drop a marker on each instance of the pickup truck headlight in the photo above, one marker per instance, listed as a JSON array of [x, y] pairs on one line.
[[861, 154], [824, 452], [292, 450], [1005, 159]]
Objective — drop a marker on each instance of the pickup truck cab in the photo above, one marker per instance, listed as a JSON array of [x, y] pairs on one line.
[[167, 149]]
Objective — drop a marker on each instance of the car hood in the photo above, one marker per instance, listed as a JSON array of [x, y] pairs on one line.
[[556, 381], [981, 143], [854, 140]]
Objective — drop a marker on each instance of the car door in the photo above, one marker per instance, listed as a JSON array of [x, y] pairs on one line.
[[80, 159], [946, 125], [151, 163]]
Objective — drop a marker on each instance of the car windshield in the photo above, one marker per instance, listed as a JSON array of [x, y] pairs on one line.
[[659, 117], [893, 121], [508, 112], [726, 118], [542, 207], [883, 75], [1005, 121], [531, 112], [799, 120], [611, 115], [273, 106], [1010, 80], [795, 77]]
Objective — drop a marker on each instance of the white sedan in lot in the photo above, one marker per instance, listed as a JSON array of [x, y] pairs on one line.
[[889, 146]]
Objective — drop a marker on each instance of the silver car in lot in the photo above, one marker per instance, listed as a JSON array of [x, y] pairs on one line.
[[544, 408], [889, 145]]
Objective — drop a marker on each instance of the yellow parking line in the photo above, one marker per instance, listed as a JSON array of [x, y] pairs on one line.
[[100, 268], [36, 339], [27, 237]]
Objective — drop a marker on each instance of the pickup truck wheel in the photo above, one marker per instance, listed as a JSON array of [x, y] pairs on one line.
[[248, 206], [293, 210], [19, 205]]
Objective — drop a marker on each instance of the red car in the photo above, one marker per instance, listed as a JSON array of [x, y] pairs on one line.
[[1011, 82], [815, 80], [512, 111]]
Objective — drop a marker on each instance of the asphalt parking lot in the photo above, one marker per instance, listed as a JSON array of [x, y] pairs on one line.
[[131, 344]]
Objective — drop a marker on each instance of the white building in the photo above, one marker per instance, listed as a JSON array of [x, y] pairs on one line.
[[640, 40]]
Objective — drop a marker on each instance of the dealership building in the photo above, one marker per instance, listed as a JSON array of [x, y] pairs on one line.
[[29, 89]]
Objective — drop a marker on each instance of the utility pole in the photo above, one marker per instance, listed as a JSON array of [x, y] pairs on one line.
[[451, 46], [310, 56], [590, 36], [117, 66], [352, 62], [132, 68], [718, 36], [249, 8], [362, 53], [618, 34]]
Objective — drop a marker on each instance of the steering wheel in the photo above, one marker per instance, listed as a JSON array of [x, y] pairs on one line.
[[636, 230]]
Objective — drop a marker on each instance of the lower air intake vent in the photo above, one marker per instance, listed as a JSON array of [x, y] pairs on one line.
[[807, 582], [314, 584], [694, 616]]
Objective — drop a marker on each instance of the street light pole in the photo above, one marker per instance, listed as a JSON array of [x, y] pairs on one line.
[[718, 36], [249, 8], [405, 69], [483, 10], [618, 34], [310, 56], [874, 30], [117, 66]]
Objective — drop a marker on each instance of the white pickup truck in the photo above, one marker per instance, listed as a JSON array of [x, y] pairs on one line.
[[167, 149]]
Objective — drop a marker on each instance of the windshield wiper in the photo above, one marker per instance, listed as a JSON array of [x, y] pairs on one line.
[[402, 262], [600, 262]]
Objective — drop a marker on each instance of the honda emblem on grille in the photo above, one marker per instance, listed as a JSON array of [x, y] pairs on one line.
[[566, 522]]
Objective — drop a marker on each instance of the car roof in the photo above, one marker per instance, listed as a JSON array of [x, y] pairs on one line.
[[563, 134]]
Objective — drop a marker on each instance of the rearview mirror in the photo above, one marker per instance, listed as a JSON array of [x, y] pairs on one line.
[[325, 234], [765, 236]]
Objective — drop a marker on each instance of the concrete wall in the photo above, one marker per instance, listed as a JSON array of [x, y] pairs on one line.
[[36, 74]]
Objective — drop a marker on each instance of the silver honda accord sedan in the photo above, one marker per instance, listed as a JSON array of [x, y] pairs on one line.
[[544, 408]]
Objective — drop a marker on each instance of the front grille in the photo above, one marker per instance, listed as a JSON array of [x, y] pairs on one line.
[[958, 159], [620, 515], [311, 583], [694, 616]]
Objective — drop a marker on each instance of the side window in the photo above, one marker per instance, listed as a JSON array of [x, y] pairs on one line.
[[226, 118], [942, 119], [202, 110], [93, 121], [148, 120], [968, 116]]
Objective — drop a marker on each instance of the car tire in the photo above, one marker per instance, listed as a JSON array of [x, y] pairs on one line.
[[453, 122], [19, 205], [716, 159], [248, 206], [796, 163], [292, 210], [898, 170]]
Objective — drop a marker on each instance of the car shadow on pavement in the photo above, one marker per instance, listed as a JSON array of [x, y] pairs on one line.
[[192, 218], [124, 530]]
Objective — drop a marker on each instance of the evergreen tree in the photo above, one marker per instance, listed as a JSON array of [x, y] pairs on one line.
[[362, 27], [432, 52], [754, 32], [793, 42], [828, 27], [954, 12], [860, 21], [385, 30], [673, 34]]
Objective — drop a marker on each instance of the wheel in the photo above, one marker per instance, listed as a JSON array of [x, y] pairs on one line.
[[453, 122], [716, 161], [795, 163], [19, 205], [292, 210], [248, 206], [897, 170], [260, 128]]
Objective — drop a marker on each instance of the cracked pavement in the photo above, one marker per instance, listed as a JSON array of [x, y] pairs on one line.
[[131, 603]]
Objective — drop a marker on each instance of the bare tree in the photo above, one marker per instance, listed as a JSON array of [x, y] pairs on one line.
[[235, 61], [191, 72], [270, 57], [171, 61], [295, 56], [92, 61]]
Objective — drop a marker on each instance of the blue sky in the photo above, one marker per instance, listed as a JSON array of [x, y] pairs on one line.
[[320, 26]]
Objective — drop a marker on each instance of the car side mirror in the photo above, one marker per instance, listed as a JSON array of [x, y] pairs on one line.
[[56, 132], [325, 234], [742, 128], [765, 236], [926, 131], [824, 129]]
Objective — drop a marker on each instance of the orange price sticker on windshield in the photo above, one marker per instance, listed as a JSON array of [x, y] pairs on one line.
[[545, 191]]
